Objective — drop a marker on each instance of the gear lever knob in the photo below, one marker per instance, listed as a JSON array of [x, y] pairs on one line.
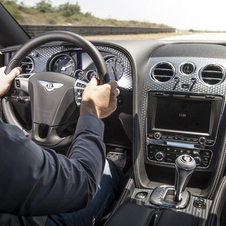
[[185, 165]]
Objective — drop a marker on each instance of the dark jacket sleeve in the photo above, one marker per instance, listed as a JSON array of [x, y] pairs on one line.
[[35, 181]]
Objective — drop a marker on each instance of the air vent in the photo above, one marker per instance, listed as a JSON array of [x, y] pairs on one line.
[[163, 72], [27, 65], [212, 74]]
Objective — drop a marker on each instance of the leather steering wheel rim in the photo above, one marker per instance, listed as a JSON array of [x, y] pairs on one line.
[[35, 42]]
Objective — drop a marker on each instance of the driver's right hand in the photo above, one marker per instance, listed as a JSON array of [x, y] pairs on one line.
[[99, 100]]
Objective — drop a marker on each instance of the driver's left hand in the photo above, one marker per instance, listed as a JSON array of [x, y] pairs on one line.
[[6, 80]]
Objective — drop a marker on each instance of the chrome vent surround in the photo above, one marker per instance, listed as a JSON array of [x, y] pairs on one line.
[[27, 65], [212, 74], [163, 72]]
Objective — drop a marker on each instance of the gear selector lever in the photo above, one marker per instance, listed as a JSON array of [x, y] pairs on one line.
[[185, 165], [176, 197]]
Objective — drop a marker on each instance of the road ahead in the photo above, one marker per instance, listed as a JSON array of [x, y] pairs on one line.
[[204, 36]]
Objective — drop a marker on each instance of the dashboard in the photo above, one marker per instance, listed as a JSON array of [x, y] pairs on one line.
[[172, 102]]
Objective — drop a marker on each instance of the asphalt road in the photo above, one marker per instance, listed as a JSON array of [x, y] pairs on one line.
[[203, 36]]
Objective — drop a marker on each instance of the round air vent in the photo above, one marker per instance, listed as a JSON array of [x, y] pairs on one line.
[[27, 65], [163, 72], [212, 74]]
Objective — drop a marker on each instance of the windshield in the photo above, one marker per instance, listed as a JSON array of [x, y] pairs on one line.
[[121, 20]]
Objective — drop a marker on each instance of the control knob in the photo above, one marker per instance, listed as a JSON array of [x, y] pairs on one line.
[[157, 136], [197, 160], [159, 156], [202, 140]]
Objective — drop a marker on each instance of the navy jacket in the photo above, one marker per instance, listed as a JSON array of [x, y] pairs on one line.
[[38, 182]]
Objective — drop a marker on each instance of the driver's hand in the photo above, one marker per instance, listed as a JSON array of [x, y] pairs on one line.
[[6, 80], [99, 100]]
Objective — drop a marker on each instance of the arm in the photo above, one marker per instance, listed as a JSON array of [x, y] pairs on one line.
[[39, 182]]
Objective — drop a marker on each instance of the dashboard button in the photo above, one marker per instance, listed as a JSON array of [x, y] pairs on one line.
[[188, 151], [181, 151], [209, 142], [17, 83], [141, 195], [185, 86], [196, 152], [204, 164], [200, 203], [151, 135], [207, 153], [151, 147], [206, 159], [169, 160]]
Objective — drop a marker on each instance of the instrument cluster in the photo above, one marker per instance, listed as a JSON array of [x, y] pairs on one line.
[[78, 64]]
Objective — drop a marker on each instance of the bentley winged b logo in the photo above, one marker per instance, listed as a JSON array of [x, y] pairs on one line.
[[50, 85]]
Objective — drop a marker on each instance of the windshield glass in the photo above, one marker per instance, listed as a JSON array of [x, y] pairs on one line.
[[121, 20]]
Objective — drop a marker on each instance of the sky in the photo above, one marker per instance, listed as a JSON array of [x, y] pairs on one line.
[[181, 14]]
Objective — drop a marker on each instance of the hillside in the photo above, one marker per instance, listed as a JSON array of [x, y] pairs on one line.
[[65, 14]]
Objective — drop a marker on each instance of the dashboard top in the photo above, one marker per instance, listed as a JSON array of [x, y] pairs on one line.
[[130, 62]]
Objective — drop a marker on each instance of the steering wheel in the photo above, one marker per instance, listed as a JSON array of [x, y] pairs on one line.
[[53, 96]]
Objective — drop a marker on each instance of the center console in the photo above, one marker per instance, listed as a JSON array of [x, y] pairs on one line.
[[179, 123], [179, 137]]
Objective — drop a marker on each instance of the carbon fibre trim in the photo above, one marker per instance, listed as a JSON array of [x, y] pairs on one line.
[[198, 212], [126, 79], [198, 87]]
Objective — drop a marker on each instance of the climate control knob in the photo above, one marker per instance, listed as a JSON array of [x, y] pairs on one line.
[[159, 156], [197, 160]]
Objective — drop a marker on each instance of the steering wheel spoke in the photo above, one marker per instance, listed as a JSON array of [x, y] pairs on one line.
[[21, 82], [43, 134], [79, 88]]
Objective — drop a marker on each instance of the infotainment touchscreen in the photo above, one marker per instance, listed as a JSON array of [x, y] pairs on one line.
[[183, 115]]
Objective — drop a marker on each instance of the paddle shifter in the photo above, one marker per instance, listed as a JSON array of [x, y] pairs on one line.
[[176, 197], [185, 165]]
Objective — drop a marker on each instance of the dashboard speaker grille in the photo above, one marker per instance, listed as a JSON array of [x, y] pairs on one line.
[[212, 74], [163, 72], [27, 65]]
